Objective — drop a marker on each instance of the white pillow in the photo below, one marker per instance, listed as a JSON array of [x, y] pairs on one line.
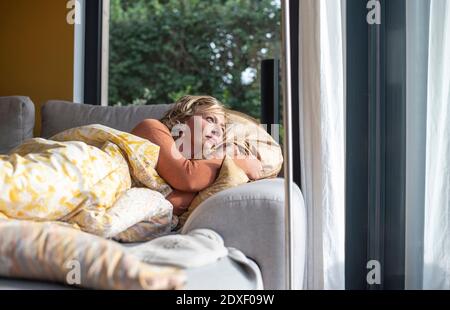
[[134, 206]]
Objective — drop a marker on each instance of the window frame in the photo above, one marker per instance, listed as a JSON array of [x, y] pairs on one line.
[[376, 145], [96, 50]]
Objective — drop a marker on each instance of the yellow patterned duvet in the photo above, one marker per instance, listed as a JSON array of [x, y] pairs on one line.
[[75, 174]]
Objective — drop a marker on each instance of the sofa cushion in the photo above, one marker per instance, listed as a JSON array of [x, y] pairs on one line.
[[16, 121], [61, 115]]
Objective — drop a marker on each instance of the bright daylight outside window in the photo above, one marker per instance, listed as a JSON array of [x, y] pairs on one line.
[[163, 49]]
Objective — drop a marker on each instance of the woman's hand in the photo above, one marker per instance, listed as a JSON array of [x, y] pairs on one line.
[[248, 163], [221, 151], [251, 166]]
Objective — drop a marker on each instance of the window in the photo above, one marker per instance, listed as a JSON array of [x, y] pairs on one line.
[[160, 50]]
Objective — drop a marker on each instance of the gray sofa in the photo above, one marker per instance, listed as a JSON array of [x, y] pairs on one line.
[[249, 217]]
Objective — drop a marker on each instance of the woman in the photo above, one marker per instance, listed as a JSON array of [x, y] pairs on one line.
[[187, 135]]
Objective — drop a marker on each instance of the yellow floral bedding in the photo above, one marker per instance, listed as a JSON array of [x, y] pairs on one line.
[[75, 175]]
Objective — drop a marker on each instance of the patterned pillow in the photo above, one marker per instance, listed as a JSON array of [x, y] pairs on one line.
[[230, 175], [252, 139], [55, 252]]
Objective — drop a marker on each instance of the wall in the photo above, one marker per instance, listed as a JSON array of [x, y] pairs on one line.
[[36, 51]]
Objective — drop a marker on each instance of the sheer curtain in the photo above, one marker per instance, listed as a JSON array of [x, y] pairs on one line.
[[436, 273], [321, 74], [428, 145]]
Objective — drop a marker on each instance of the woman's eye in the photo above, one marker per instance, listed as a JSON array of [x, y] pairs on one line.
[[210, 119]]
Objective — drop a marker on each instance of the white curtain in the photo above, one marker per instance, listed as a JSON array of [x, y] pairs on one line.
[[321, 72], [436, 272], [428, 145]]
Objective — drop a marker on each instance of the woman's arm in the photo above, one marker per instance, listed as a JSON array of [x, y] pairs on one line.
[[248, 163], [182, 174]]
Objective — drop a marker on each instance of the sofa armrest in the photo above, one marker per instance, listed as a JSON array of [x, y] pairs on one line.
[[16, 121], [250, 217]]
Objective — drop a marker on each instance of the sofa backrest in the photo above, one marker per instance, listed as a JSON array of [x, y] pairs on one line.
[[16, 121], [61, 115]]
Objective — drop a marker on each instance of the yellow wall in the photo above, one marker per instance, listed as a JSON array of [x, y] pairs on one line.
[[36, 51]]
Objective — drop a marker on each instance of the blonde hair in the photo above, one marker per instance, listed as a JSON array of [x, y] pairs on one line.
[[188, 106]]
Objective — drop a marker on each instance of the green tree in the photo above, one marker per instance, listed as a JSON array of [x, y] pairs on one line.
[[162, 49]]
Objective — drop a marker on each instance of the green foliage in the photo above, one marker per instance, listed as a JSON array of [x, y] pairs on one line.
[[163, 49]]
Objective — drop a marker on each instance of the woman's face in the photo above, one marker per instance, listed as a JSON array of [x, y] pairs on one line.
[[207, 129]]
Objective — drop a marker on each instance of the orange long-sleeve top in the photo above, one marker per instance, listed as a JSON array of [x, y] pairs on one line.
[[180, 173]]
